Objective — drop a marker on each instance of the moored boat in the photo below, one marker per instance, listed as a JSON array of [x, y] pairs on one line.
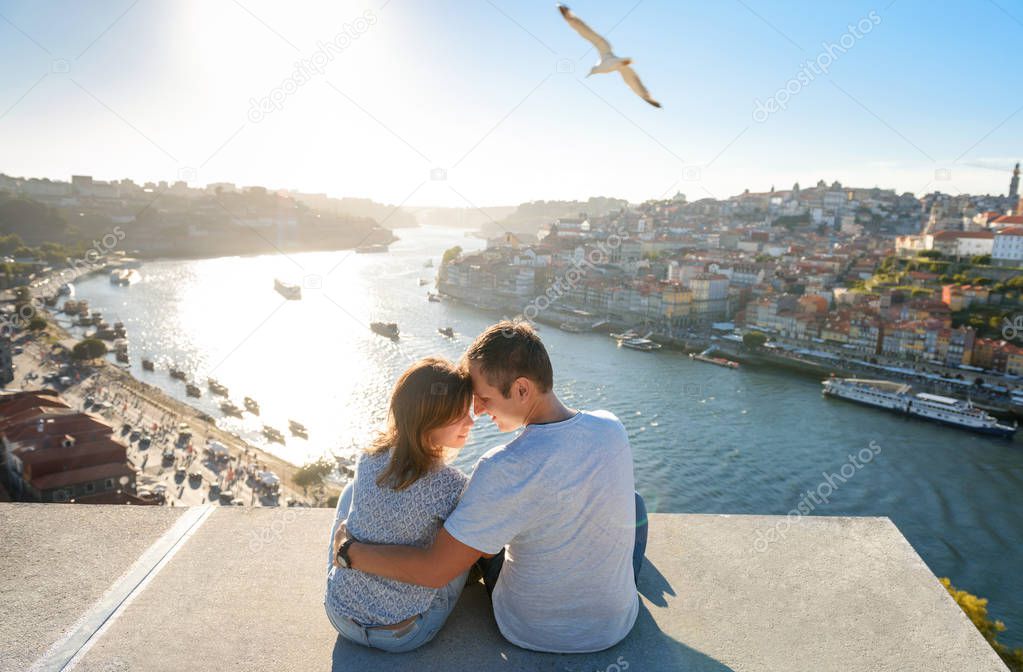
[[229, 408], [216, 387], [147, 365], [430, 296], [571, 327], [273, 434], [177, 374], [643, 344], [899, 397], [446, 331], [251, 406], [192, 390], [298, 429], [719, 361]]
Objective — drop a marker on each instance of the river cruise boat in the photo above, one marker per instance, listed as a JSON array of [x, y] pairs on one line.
[[388, 329], [899, 398], [288, 291]]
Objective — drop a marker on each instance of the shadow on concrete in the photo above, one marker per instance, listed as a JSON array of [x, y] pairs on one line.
[[471, 641], [653, 585]]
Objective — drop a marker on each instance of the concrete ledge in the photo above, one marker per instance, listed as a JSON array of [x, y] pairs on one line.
[[244, 591]]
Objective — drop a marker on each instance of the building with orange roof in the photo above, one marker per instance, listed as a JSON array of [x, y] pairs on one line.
[[51, 453]]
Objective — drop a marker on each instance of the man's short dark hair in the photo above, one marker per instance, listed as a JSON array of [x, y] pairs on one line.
[[509, 350]]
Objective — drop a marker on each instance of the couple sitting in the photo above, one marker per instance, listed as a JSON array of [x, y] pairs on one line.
[[550, 518]]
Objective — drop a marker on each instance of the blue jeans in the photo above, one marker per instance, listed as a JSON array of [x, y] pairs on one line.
[[421, 630], [491, 567], [425, 626]]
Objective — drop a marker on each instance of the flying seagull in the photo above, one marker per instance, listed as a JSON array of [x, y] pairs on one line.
[[608, 61]]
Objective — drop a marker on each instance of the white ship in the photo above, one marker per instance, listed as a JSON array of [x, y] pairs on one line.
[[899, 397]]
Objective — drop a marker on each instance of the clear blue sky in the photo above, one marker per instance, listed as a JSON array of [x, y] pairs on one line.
[[160, 88]]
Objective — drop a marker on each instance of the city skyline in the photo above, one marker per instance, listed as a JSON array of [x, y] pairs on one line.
[[488, 105]]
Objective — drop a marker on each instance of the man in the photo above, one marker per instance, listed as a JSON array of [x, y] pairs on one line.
[[556, 506]]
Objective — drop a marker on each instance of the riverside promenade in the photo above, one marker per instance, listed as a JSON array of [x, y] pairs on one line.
[[120, 588]]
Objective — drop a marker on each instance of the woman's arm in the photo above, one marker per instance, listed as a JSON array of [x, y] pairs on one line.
[[433, 567]]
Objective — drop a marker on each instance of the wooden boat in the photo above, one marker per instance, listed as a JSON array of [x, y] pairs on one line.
[[228, 408], [272, 434], [251, 406], [193, 390]]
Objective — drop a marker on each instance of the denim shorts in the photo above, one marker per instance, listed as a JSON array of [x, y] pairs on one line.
[[423, 628]]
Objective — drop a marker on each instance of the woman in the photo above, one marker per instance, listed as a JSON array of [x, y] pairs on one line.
[[401, 494]]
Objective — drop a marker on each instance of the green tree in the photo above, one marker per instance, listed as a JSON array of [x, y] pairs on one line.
[[930, 254], [313, 473], [90, 348], [976, 609], [754, 339], [450, 255], [981, 260], [37, 324]]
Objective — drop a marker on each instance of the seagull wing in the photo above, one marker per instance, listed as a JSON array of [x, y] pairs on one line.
[[632, 79], [602, 45]]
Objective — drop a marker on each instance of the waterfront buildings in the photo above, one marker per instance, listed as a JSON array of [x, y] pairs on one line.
[[51, 453]]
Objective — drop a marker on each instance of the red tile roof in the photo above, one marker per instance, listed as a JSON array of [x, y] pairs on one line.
[[75, 476]]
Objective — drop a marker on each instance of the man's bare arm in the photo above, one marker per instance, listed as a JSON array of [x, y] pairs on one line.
[[433, 567]]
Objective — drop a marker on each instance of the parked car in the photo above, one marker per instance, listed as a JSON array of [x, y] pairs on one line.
[[226, 497], [168, 456], [180, 472]]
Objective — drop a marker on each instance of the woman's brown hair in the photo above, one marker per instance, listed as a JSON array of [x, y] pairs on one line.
[[432, 393]]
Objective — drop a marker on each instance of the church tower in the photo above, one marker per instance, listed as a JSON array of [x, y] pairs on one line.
[[1014, 184]]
